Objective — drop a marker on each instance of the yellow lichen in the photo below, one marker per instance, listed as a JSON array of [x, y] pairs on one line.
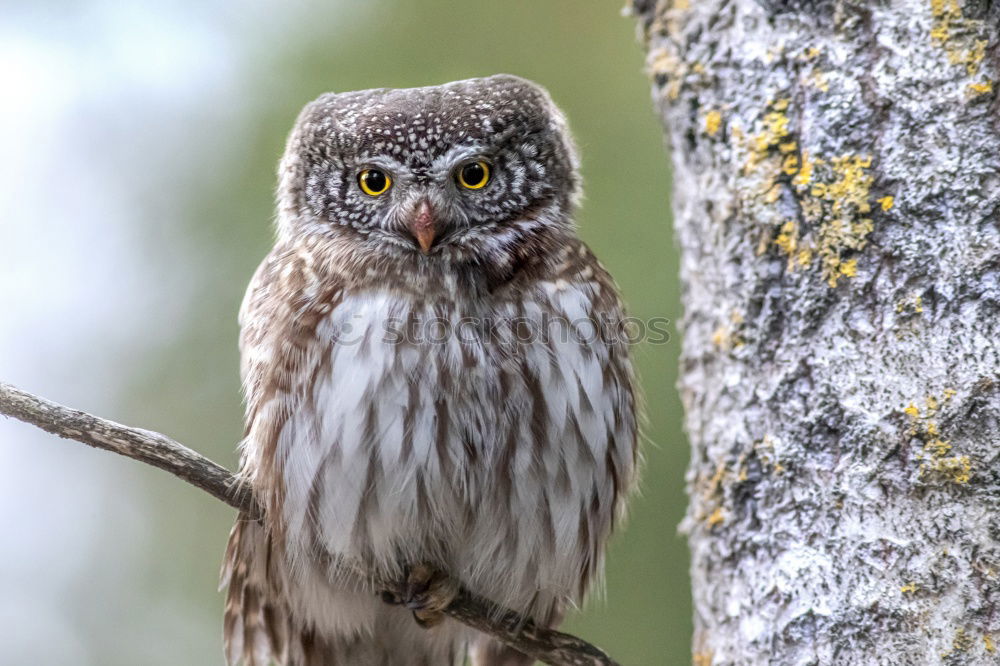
[[981, 88], [939, 33], [662, 63], [786, 240], [886, 203], [988, 644], [716, 517], [957, 35], [909, 588], [713, 122], [787, 243], [720, 338], [943, 11], [714, 484], [804, 257], [934, 457], [971, 57], [671, 17], [727, 337], [962, 641], [790, 166], [819, 81], [702, 658], [833, 196], [773, 134], [775, 129], [835, 204], [853, 183], [957, 469], [842, 201], [805, 173], [937, 447], [777, 121]]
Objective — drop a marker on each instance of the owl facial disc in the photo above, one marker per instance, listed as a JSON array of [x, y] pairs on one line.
[[462, 172]]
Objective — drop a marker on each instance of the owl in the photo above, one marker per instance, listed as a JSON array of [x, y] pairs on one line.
[[437, 383]]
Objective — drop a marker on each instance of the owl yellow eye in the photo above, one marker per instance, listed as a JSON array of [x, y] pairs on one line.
[[374, 182], [474, 175]]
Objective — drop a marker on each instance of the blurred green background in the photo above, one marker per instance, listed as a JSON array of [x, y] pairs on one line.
[[213, 203]]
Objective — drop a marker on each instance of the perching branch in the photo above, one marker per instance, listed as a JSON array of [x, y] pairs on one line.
[[145, 446], [545, 645]]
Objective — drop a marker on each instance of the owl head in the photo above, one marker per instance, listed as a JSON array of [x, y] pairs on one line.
[[441, 171]]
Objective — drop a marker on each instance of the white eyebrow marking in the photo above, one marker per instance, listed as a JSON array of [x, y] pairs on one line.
[[453, 156]]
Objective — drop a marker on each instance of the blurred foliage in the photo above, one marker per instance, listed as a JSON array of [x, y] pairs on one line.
[[586, 54]]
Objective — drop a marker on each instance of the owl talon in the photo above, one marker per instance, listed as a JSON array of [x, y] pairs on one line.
[[427, 619], [427, 592]]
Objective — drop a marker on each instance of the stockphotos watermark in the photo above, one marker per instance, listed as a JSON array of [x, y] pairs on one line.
[[543, 328]]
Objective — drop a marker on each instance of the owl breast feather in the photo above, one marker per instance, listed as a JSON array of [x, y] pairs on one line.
[[492, 440]]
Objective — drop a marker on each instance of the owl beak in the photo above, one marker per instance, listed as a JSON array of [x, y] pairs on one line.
[[422, 226]]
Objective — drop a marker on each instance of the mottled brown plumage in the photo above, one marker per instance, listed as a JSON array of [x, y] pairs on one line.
[[435, 374]]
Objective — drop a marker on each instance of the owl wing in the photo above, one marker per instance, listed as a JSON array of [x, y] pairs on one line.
[[277, 321], [287, 299]]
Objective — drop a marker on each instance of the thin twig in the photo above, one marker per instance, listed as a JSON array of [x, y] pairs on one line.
[[545, 645]]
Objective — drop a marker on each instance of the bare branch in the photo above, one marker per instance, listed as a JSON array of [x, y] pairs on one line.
[[548, 646], [145, 446]]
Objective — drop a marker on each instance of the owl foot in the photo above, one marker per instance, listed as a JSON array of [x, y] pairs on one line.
[[426, 591]]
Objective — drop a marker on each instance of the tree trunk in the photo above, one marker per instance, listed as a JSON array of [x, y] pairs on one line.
[[837, 183]]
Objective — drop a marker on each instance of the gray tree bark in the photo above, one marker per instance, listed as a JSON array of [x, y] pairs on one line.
[[836, 201]]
